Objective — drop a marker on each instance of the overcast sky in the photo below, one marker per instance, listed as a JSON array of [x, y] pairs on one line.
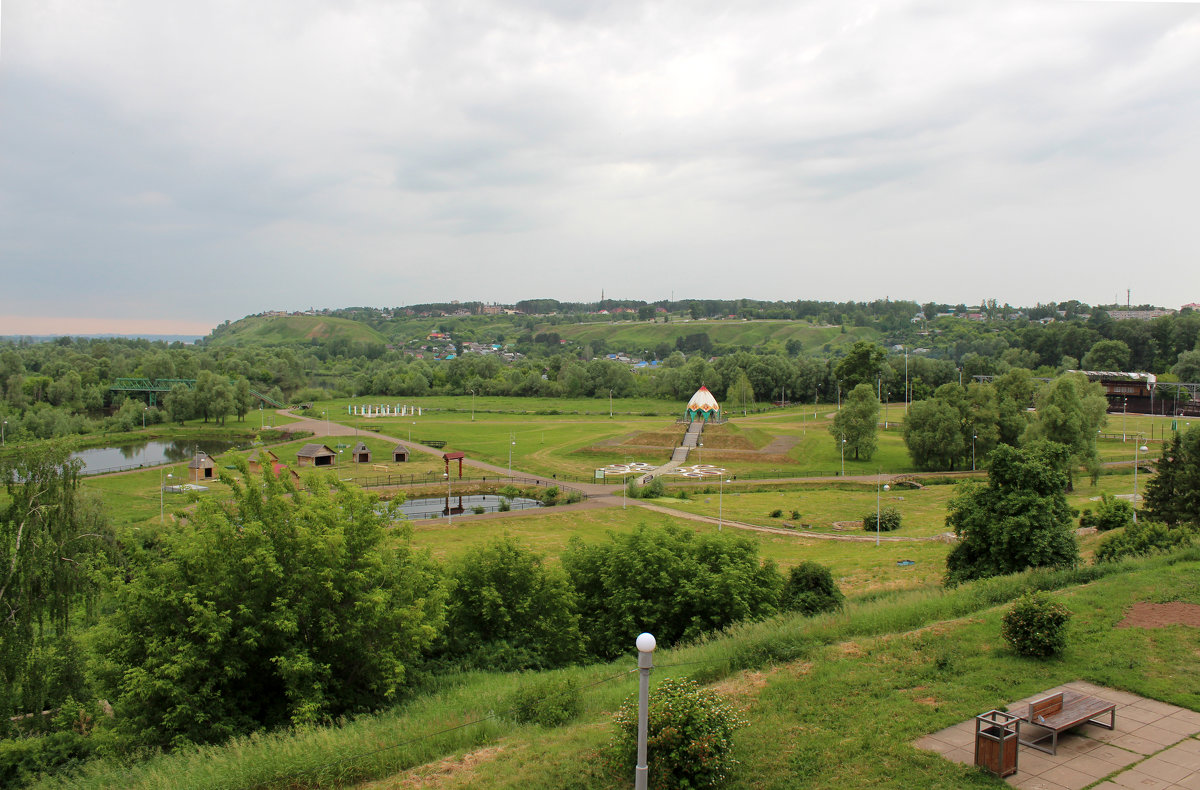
[[180, 164]]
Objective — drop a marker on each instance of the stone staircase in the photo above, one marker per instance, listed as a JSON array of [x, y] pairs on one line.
[[690, 439]]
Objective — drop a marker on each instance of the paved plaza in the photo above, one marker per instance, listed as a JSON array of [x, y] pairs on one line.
[[1153, 747]]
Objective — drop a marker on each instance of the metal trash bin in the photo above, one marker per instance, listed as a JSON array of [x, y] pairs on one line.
[[996, 737]]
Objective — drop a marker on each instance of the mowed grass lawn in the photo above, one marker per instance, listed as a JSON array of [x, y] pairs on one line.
[[858, 567]]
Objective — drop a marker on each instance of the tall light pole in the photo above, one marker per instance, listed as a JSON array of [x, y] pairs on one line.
[[885, 488], [700, 451], [160, 494], [260, 416], [721, 504], [645, 645], [449, 514], [472, 405], [1124, 411], [325, 414], [843, 449], [974, 436], [410, 433], [3, 430], [512, 442], [1143, 448], [144, 410], [610, 412]]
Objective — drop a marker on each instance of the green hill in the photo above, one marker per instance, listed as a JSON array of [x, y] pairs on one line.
[[286, 330]]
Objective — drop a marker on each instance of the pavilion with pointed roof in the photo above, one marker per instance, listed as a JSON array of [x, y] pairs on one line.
[[703, 406]]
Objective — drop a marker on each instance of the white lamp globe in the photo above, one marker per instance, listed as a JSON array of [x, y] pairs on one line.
[[646, 643]]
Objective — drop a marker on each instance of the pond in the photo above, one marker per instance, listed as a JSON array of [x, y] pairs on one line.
[[151, 453], [417, 509]]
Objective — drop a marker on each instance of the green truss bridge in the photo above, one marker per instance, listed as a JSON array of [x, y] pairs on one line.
[[154, 386]]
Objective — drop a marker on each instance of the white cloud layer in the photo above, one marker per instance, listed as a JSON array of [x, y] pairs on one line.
[[201, 161]]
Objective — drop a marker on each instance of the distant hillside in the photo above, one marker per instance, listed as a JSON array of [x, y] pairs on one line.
[[288, 330], [758, 334]]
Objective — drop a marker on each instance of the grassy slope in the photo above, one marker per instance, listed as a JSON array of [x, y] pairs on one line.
[[832, 701], [293, 329]]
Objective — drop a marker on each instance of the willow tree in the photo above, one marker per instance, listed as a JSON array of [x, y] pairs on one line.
[[52, 543]]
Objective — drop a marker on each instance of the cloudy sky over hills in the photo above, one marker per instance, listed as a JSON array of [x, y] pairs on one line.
[[181, 164]]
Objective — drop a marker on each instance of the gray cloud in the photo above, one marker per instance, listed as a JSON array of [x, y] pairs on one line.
[[217, 159]]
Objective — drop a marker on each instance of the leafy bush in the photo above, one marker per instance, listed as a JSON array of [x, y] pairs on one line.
[[810, 589], [505, 505], [478, 510], [795, 515], [689, 736], [670, 581], [776, 513], [1111, 513], [1143, 539], [549, 497], [543, 701], [1036, 626], [889, 519], [503, 595]]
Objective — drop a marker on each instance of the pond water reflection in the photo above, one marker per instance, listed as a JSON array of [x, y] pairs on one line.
[[417, 509], [150, 453]]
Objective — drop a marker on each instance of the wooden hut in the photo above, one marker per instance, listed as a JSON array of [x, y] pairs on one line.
[[201, 467], [399, 454], [262, 456], [316, 455], [361, 454]]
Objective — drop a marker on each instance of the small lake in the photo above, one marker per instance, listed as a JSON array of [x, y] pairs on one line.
[[417, 509], [151, 453]]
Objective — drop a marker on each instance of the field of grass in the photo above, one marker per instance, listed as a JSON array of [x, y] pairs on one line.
[[832, 701], [293, 329]]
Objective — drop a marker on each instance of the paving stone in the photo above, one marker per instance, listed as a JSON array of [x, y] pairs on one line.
[[1092, 766], [1069, 777], [1162, 769], [1136, 780], [1191, 782], [1038, 783], [1156, 734], [1136, 744]]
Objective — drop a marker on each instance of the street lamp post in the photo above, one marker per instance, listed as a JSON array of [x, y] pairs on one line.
[[512, 442], [144, 410], [843, 449], [449, 513], [260, 417], [472, 405], [885, 488], [974, 436], [1124, 411], [721, 504], [160, 494], [3, 430], [645, 645], [410, 433], [700, 452], [1143, 448], [610, 411]]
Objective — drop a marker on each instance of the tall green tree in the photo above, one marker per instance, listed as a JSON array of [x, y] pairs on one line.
[[857, 423], [740, 392], [242, 399], [277, 607], [933, 434], [53, 545], [1070, 411], [1172, 495], [861, 365], [1020, 519]]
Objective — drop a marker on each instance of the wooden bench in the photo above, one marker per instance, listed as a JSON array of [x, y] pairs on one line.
[[1063, 711]]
